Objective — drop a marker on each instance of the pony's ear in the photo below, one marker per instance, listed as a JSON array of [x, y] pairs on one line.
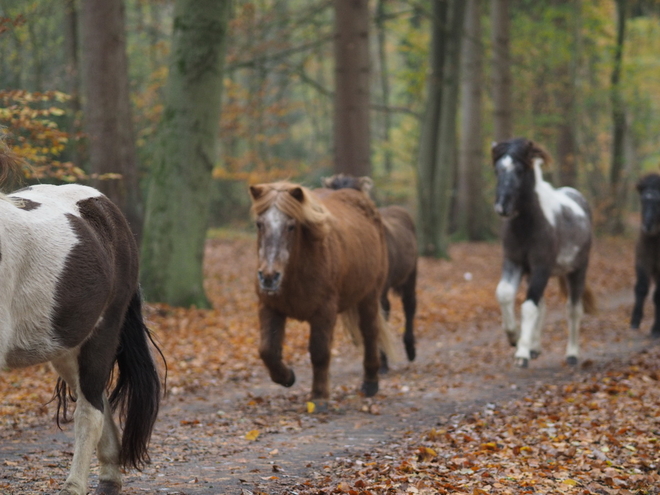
[[493, 144], [256, 191], [297, 193], [538, 153], [365, 184]]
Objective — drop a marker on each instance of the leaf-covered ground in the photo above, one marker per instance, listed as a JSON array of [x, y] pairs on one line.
[[460, 419]]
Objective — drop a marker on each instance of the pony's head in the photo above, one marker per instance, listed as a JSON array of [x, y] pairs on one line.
[[516, 163], [284, 212], [649, 194], [341, 181]]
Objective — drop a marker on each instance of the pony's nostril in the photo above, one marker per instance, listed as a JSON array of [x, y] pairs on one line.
[[276, 277]]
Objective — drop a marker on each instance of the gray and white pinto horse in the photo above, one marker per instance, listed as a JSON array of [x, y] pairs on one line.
[[69, 296], [546, 232]]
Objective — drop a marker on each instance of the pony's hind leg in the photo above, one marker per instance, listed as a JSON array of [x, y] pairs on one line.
[[506, 296], [409, 300], [108, 451], [385, 305], [368, 311], [576, 281], [88, 425], [535, 350], [642, 286], [655, 330]]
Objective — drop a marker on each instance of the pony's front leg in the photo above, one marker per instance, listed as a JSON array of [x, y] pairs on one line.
[[655, 330], [530, 316], [506, 296], [641, 291], [320, 343], [270, 348]]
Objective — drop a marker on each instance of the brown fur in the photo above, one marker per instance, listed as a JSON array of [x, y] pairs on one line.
[[337, 263], [401, 241], [588, 298]]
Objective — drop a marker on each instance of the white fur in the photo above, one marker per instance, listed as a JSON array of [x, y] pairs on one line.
[[575, 313], [275, 222], [536, 336], [552, 200], [506, 296], [34, 245], [507, 163], [530, 316]]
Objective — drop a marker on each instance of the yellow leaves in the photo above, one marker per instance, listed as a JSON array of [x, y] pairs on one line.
[[569, 481], [252, 435], [426, 453], [311, 407]]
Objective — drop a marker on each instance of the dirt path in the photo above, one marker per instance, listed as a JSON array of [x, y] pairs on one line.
[[200, 445]]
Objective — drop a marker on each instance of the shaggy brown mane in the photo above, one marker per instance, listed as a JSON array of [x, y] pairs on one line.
[[294, 200]]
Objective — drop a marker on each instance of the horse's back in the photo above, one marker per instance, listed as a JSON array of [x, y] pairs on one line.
[[67, 255], [358, 239], [401, 243]]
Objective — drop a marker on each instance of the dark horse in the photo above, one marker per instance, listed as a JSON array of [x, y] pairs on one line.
[[401, 251], [69, 296], [546, 232], [320, 254], [647, 255]]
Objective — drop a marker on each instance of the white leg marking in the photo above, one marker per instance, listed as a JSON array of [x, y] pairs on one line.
[[530, 315], [575, 313], [506, 296], [88, 425], [108, 447], [536, 338]]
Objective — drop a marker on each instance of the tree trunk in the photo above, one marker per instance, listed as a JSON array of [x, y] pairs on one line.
[[471, 203], [108, 117], [352, 132], [438, 141], [73, 80], [177, 206], [503, 122], [384, 84], [617, 182]]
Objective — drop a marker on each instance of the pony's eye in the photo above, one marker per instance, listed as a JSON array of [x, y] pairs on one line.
[[291, 227], [260, 225]]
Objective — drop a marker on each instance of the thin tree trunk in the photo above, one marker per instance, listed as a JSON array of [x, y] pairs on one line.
[[472, 212], [617, 189], [384, 84], [73, 79], [437, 171], [503, 122], [108, 116], [177, 206], [352, 130]]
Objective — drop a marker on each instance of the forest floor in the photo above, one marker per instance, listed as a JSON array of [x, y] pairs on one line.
[[459, 419]]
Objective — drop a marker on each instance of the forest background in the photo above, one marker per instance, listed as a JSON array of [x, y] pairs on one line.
[[444, 78]]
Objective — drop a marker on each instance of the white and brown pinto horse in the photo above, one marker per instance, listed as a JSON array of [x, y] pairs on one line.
[[546, 232], [321, 253], [69, 296]]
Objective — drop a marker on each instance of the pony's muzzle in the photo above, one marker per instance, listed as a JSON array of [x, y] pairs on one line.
[[269, 282]]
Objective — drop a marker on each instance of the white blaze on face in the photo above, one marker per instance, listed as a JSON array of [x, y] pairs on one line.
[[273, 247], [507, 163], [551, 199]]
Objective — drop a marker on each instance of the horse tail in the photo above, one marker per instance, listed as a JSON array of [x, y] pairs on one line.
[[386, 339], [588, 297], [137, 391]]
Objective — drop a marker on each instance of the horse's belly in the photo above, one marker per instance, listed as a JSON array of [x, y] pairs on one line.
[[566, 259]]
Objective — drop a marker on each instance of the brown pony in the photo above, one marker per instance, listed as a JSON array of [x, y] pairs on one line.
[[321, 253], [401, 242]]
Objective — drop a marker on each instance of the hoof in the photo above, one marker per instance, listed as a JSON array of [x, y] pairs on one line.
[[571, 360], [291, 380], [534, 354], [522, 362], [369, 389], [108, 488], [384, 367], [410, 351]]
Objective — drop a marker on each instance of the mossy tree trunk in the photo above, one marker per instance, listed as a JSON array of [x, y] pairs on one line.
[[177, 204]]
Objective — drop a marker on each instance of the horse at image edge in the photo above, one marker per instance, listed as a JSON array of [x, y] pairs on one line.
[[70, 296]]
